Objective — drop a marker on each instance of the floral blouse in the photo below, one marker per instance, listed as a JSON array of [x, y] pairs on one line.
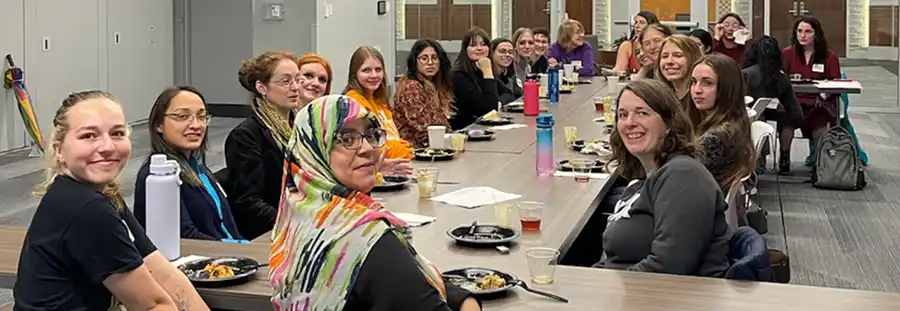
[[417, 106]]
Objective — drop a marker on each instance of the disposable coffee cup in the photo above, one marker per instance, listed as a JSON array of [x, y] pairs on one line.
[[436, 137]]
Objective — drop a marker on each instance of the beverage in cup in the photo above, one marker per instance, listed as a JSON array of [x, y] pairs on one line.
[[530, 215], [581, 169], [542, 264], [426, 178]]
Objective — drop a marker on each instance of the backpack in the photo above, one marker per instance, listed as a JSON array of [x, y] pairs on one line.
[[837, 162]]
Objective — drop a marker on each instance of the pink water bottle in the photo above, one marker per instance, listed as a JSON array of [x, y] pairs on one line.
[[530, 93]]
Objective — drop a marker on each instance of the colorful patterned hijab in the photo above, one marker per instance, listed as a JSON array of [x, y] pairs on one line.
[[324, 230]]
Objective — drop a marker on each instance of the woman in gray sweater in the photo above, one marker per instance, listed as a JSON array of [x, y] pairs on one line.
[[671, 218]]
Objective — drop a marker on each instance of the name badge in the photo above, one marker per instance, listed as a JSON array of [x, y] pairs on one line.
[[818, 68]]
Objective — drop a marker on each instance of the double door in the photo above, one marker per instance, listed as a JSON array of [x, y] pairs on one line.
[[536, 13], [831, 14]]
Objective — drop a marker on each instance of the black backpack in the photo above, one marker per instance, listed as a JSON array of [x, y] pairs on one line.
[[837, 162]]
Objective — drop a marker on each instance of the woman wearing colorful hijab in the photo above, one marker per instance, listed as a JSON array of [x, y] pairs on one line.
[[334, 247]]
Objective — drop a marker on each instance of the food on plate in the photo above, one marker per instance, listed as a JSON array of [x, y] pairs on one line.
[[428, 152], [212, 271], [379, 179], [486, 282], [217, 271], [567, 88], [492, 116], [491, 281]]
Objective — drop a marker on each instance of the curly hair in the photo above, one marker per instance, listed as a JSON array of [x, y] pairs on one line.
[[679, 137]]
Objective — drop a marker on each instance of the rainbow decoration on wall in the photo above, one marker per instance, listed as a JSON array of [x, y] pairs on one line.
[[14, 79]]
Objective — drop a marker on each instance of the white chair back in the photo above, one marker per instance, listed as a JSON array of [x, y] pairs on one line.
[[761, 133]]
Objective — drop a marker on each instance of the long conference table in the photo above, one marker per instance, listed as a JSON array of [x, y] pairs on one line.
[[507, 164]]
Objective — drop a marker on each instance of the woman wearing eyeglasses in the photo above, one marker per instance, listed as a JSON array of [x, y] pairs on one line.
[[254, 150], [424, 96], [177, 124]]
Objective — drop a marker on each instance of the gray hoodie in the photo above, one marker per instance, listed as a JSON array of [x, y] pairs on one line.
[[673, 222]]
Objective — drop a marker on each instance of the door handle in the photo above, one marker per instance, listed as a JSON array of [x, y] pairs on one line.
[[803, 10], [795, 10], [547, 8]]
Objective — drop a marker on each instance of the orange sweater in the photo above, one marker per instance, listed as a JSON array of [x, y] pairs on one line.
[[395, 146]]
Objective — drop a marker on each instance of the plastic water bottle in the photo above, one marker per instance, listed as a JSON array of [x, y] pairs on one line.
[[163, 201], [544, 158], [530, 94], [553, 86]]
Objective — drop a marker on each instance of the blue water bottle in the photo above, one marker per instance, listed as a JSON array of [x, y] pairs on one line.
[[544, 154], [553, 85]]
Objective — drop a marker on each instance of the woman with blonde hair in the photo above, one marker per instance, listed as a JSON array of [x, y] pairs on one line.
[[570, 47], [366, 83], [84, 249], [676, 56], [651, 40], [527, 60]]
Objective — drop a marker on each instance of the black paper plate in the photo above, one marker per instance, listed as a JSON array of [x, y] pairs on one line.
[[483, 235], [514, 108], [597, 168], [501, 121], [467, 278], [244, 268], [423, 155], [479, 135], [392, 183]]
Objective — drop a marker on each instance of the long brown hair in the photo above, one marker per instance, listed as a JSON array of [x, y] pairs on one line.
[[679, 137], [463, 62], [58, 134], [690, 50], [357, 60], [729, 113]]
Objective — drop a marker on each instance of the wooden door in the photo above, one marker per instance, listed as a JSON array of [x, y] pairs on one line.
[[831, 14], [582, 11], [530, 14], [758, 20]]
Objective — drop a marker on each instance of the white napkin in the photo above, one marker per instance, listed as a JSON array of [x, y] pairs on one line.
[[471, 197], [572, 175], [507, 127], [415, 220], [187, 259]]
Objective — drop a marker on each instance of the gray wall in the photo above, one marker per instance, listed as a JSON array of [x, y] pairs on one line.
[[220, 34], [123, 46], [352, 24]]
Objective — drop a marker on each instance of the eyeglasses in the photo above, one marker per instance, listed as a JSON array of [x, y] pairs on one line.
[[352, 139], [432, 59], [187, 117], [286, 82]]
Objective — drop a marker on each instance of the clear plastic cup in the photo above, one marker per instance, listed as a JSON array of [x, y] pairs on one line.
[[541, 264], [426, 178]]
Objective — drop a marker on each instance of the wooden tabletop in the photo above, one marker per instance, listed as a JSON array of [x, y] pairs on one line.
[[587, 289], [511, 169]]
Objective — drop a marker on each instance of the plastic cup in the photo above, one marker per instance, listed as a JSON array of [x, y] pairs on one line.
[[581, 169], [541, 264], [436, 136], [530, 215], [426, 178], [458, 142], [568, 69], [612, 84]]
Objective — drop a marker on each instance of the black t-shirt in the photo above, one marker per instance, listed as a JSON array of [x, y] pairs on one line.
[[76, 240]]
